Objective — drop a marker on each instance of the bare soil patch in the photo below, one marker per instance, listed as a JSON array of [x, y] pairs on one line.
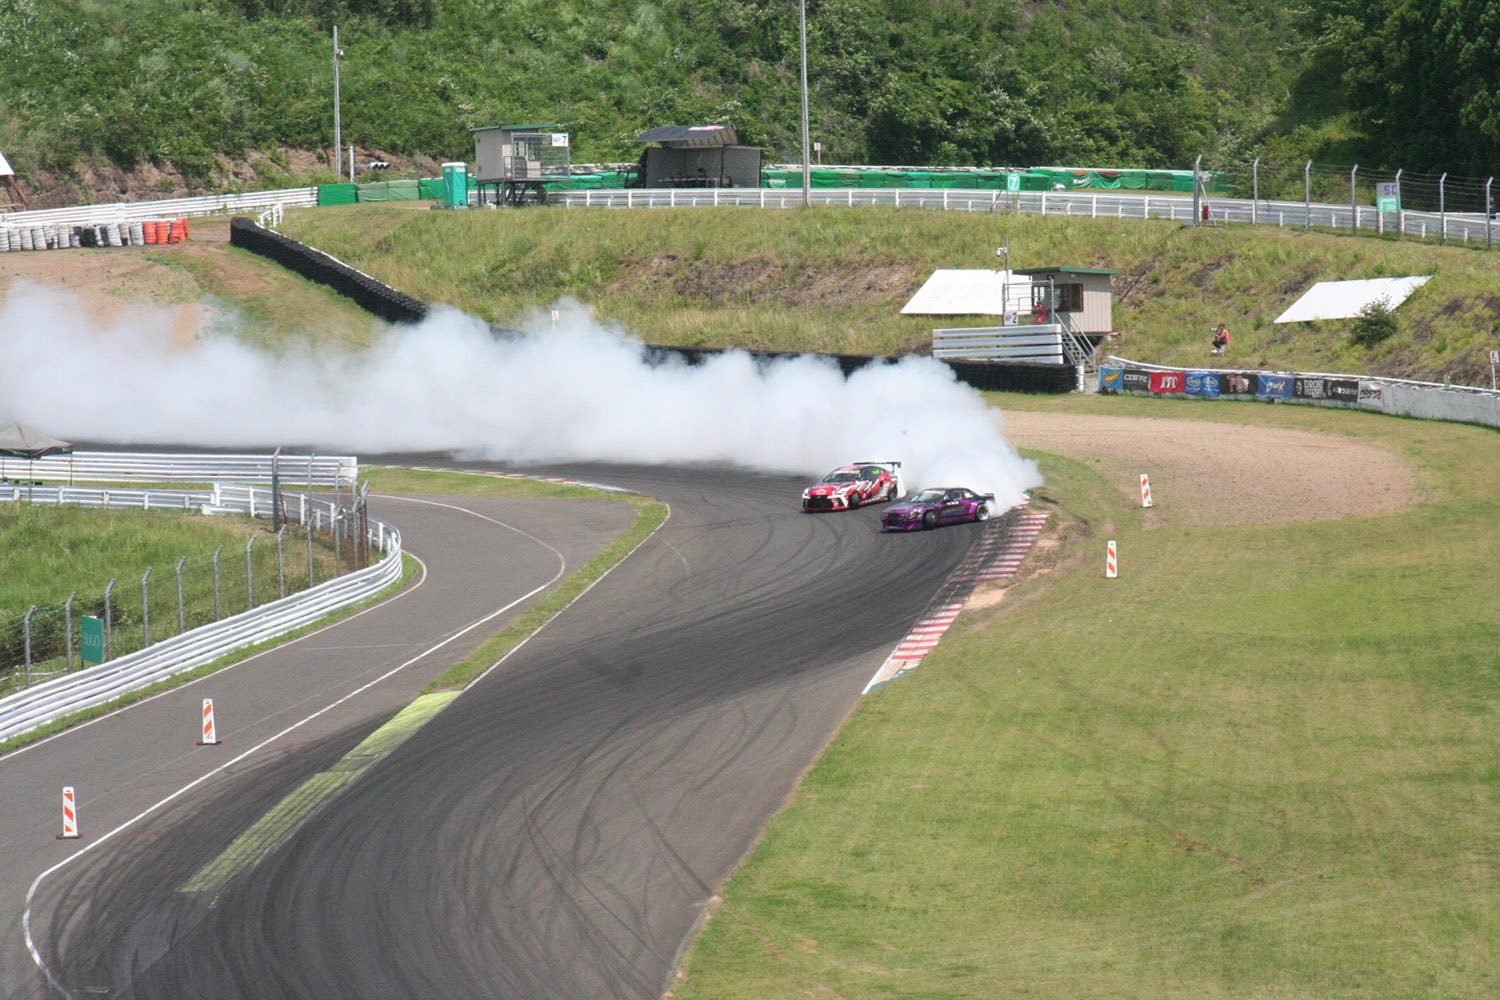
[[1211, 473]]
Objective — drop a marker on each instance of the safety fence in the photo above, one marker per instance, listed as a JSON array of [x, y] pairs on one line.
[[1470, 229], [170, 208], [323, 471], [1397, 397], [165, 623]]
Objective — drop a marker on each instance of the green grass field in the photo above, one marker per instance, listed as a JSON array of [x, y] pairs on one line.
[[1259, 764], [834, 279]]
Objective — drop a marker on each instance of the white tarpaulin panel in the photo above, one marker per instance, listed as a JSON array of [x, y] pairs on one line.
[[970, 293], [1344, 299], [5, 170]]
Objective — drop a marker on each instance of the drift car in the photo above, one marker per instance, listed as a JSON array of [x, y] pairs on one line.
[[930, 508], [854, 486]]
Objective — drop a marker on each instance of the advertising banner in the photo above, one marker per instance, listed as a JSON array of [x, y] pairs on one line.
[[1111, 379], [1345, 390], [1136, 380], [1202, 383], [1310, 388], [1372, 395], [1274, 386], [1237, 383], [1166, 382]]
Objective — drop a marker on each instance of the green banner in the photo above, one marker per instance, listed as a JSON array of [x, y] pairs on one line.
[[91, 633]]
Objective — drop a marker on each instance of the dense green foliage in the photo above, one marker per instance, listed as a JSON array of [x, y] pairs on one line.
[[1420, 77], [937, 81]]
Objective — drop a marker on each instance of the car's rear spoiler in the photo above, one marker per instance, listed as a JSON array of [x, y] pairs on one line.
[[871, 461]]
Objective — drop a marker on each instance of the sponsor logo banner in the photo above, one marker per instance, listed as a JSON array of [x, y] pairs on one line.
[[1237, 383], [1202, 383], [1310, 388], [1136, 380], [1345, 390], [1166, 382], [1274, 386], [1111, 378], [1372, 394]]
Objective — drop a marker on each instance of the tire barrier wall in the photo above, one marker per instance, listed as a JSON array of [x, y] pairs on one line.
[[62, 236], [396, 307], [1424, 400], [369, 293]]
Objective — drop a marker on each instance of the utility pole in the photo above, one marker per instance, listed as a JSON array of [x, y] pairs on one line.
[[806, 158], [338, 134]]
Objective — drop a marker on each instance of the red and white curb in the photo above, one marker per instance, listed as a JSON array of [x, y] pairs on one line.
[[996, 556]]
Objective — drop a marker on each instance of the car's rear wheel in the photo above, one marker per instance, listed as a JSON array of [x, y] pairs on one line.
[[929, 519], [982, 512]]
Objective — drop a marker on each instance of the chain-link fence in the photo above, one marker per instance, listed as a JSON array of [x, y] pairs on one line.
[[147, 606]]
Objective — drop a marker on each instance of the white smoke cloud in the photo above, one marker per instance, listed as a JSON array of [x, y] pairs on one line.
[[575, 390]]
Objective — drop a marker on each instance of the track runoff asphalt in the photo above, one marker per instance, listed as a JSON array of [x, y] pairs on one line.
[[558, 830]]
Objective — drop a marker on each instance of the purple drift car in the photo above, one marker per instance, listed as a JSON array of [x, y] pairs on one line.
[[930, 508]]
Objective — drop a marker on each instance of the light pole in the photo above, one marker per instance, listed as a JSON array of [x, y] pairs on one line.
[[806, 158], [338, 135]]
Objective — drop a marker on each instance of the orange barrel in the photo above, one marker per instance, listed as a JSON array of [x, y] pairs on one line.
[[178, 231], [184, 229], [148, 228]]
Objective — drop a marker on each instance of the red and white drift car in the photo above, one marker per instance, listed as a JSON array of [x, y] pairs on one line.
[[853, 486]]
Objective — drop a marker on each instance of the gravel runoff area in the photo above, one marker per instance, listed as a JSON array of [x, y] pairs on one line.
[[1211, 473]]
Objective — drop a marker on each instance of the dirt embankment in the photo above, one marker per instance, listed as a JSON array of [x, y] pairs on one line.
[[104, 182]]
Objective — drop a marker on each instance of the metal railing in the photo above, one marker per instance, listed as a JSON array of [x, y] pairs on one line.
[[1472, 229], [330, 471], [74, 692], [126, 211]]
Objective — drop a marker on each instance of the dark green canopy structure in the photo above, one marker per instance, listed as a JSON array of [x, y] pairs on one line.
[[20, 441]]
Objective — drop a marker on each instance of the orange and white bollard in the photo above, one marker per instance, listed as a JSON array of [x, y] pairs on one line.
[[70, 814], [210, 734], [1145, 491], [1111, 566]]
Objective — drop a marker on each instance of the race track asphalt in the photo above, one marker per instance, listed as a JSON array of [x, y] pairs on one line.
[[557, 830], [481, 555]]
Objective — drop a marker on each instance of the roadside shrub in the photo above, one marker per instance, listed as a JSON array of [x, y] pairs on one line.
[[1375, 324]]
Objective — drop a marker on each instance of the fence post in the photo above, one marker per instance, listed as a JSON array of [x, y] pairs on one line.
[[280, 561], [1307, 197], [334, 523], [1488, 211], [216, 581], [181, 619], [1353, 202], [307, 523], [1197, 189], [68, 631], [1442, 210], [109, 623], [1400, 214], [146, 607], [27, 627], [1254, 190], [249, 576]]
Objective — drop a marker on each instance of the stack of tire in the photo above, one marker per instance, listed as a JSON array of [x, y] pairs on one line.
[[108, 234]]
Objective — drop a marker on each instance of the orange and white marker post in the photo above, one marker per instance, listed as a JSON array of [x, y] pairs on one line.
[[1111, 566], [70, 814], [1145, 491], [210, 734]]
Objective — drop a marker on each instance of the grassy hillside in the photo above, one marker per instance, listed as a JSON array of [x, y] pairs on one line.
[[835, 279], [186, 82]]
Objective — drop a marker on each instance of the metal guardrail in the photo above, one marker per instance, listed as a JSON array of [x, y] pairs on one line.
[[98, 685], [125, 211], [334, 471], [1105, 205]]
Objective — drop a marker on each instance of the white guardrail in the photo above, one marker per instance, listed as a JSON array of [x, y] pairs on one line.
[[1466, 229], [335, 471], [135, 211], [98, 685]]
